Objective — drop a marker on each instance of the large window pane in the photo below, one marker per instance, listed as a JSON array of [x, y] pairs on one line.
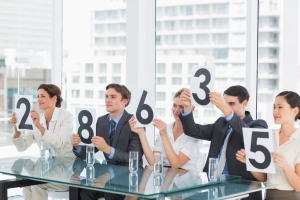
[[205, 33], [25, 53], [96, 44], [278, 53]]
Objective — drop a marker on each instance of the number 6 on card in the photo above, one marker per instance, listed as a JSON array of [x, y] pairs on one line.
[[85, 125], [23, 105], [258, 145]]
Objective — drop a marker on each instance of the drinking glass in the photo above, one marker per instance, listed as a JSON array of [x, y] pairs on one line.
[[90, 174], [158, 163], [213, 169], [90, 155], [133, 182], [133, 161], [45, 151]]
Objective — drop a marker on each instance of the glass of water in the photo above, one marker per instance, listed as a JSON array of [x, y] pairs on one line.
[[90, 174], [90, 155], [133, 161], [133, 182], [45, 151], [158, 162], [213, 169]]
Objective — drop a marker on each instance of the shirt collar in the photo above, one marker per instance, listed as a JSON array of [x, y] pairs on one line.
[[54, 116], [296, 134], [117, 119]]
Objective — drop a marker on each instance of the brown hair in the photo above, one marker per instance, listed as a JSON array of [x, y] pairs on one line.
[[178, 93], [52, 90], [126, 94], [238, 91]]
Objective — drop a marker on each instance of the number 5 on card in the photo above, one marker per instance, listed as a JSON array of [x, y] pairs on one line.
[[258, 145], [23, 106]]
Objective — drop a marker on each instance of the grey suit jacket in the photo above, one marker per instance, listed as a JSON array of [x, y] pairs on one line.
[[216, 133], [124, 140]]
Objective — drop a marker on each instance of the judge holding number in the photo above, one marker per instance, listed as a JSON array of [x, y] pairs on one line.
[[178, 149], [226, 134], [54, 126], [286, 155]]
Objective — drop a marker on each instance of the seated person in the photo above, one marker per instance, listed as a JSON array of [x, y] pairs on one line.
[[286, 155], [54, 126], [178, 149]]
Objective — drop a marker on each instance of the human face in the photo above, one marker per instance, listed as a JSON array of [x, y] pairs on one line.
[[282, 111], [177, 107], [235, 105], [44, 100], [113, 101]]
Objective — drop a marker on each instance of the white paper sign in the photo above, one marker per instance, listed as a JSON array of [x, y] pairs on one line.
[[86, 125], [202, 82], [23, 106], [144, 106], [258, 145]]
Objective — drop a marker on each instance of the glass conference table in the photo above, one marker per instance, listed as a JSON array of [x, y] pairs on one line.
[[116, 178]]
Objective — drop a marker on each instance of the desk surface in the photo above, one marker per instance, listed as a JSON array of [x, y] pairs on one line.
[[116, 178]]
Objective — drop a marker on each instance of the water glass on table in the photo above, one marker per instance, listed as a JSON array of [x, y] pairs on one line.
[[90, 155], [213, 169], [45, 151], [133, 161], [133, 182], [158, 162]]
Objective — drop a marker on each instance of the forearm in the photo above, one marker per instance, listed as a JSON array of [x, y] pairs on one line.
[[262, 177], [17, 133], [146, 148], [41, 129], [292, 177], [173, 158]]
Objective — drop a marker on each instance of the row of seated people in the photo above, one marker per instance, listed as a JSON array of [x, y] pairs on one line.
[[179, 141]]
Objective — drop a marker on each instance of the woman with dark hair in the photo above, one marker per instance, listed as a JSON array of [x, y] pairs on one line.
[[286, 155], [54, 126]]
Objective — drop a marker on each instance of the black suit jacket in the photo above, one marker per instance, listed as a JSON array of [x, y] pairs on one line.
[[124, 140], [216, 133]]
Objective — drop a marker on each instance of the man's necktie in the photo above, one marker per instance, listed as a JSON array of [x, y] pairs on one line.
[[112, 131], [222, 160]]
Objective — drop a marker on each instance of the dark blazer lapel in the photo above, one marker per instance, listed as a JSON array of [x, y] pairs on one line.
[[103, 128], [122, 121]]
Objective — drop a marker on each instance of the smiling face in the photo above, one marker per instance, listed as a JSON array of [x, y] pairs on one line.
[[282, 111], [235, 105], [114, 102], [44, 100], [177, 107]]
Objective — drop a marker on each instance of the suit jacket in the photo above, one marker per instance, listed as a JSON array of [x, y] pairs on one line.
[[58, 134], [124, 140], [216, 133]]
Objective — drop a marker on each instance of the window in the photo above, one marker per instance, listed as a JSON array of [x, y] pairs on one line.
[[239, 23], [158, 40], [187, 10], [221, 38], [171, 11], [190, 67], [170, 39], [209, 113], [161, 112], [102, 68], [116, 67], [186, 39], [89, 68], [221, 53], [176, 68], [220, 8], [102, 80], [75, 79], [238, 7], [187, 24], [100, 15], [203, 9], [101, 94], [203, 39], [89, 79], [76, 93], [160, 81], [100, 28], [100, 42], [203, 24], [170, 25], [220, 23], [176, 81], [161, 68], [116, 79], [160, 96], [89, 94]]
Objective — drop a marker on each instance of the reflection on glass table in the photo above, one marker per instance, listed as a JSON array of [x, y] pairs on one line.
[[110, 177]]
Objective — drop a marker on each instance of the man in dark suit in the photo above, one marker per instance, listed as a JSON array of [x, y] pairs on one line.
[[113, 134], [226, 133]]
